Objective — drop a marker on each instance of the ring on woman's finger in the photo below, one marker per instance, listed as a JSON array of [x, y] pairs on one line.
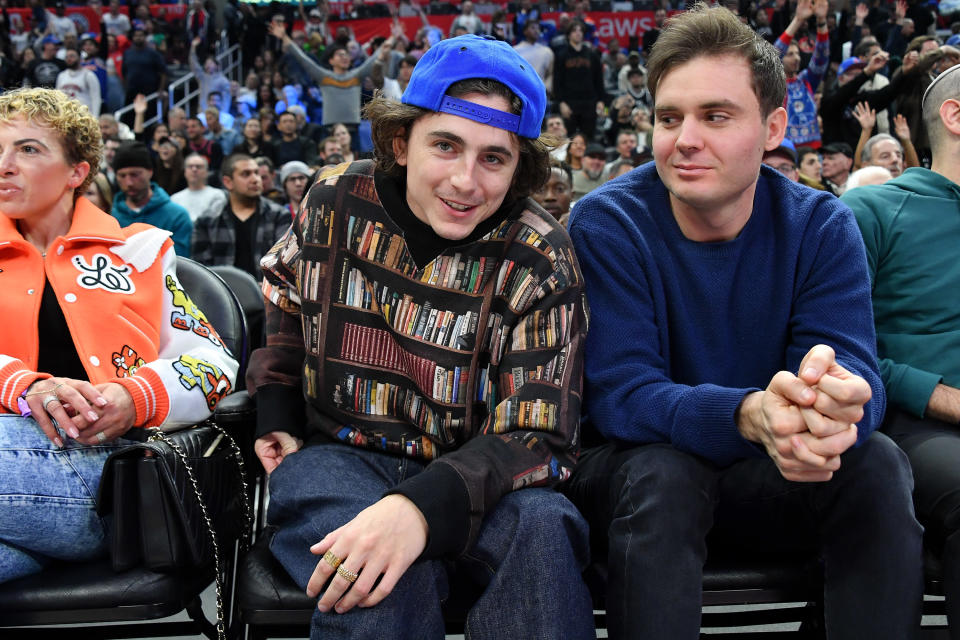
[[48, 399], [101, 437], [331, 559], [346, 574]]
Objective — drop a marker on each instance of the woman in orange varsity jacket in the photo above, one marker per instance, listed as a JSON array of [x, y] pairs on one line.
[[96, 335]]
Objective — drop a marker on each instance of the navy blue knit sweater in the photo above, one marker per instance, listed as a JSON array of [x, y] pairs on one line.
[[681, 331]]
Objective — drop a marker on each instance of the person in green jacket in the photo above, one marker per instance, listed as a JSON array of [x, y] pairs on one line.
[[911, 229]]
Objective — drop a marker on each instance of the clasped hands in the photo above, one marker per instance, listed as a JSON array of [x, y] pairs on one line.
[[90, 414], [806, 421]]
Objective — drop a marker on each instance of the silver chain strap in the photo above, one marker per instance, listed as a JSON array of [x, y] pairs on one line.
[[247, 510]]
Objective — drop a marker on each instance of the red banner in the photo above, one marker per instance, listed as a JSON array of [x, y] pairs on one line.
[[609, 24]]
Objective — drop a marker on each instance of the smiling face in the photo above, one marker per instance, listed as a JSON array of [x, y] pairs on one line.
[[708, 143], [35, 177], [458, 171], [578, 146]]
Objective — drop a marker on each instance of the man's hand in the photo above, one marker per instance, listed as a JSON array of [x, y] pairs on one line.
[[272, 448], [866, 116], [279, 31], [774, 418], [877, 61], [140, 103], [910, 61], [944, 404], [862, 11], [900, 11], [565, 111], [804, 10], [384, 539], [841, 395], [901, 127]]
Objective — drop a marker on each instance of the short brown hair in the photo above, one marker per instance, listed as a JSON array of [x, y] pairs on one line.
[[918, 42], [704, 31], [390, 119], [79, 131]]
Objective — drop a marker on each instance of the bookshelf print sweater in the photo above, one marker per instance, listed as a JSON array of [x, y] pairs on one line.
[[471, 363]]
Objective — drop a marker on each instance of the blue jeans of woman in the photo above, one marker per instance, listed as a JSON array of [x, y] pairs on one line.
[[527, 559], [47, 498]]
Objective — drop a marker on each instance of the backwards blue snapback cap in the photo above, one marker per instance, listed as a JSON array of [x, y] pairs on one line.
[[469, 56]]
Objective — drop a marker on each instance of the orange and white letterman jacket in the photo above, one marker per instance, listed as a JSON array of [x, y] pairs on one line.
[[130, 320]]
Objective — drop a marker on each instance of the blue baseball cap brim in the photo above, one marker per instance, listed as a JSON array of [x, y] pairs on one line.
[[470, 56]]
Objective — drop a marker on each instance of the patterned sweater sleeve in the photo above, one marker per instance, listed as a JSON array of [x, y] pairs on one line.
[[531, 436], [274, 374], [194, 369]]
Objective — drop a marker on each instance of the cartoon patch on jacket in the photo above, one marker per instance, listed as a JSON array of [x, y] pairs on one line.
[[199, 373], [127, 361], [190, 318]]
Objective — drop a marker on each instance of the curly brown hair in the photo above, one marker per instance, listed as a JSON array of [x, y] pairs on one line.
[[389, 119], [79, 131]]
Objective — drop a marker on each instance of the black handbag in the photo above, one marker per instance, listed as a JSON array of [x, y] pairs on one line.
[[175, 499]]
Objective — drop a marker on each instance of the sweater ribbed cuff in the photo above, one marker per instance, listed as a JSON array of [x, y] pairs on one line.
[[150, 399], [16, 378], [280, 407], [441, 495]]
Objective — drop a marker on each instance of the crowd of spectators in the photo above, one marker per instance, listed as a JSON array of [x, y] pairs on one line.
[[855, 75]]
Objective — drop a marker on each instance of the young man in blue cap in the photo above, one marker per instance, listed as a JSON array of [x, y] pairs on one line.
[[419, 393]]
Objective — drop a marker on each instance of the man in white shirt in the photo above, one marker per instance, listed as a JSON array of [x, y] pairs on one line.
[[199, 198], [467, 20], [539, 55], [117, 23], [80, 83], [59, 24]]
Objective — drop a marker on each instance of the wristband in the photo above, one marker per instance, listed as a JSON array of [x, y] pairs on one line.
[[23, 406], [821, 25]]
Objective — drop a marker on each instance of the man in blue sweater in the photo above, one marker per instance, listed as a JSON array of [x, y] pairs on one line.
[[731, 360]]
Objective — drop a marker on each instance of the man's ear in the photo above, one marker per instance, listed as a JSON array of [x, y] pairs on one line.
[[776, 128], [400, 147], [950, 115]]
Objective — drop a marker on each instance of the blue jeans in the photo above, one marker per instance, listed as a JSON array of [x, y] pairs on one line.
[[527, 559], [47, 498], [656, 507]]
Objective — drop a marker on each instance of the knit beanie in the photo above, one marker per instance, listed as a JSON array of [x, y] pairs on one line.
[[132, 154]]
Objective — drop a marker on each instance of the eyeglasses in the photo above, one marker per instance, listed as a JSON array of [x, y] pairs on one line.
[[787, 167]]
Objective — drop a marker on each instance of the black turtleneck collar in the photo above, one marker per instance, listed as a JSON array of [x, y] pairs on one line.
[[422, 242]]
